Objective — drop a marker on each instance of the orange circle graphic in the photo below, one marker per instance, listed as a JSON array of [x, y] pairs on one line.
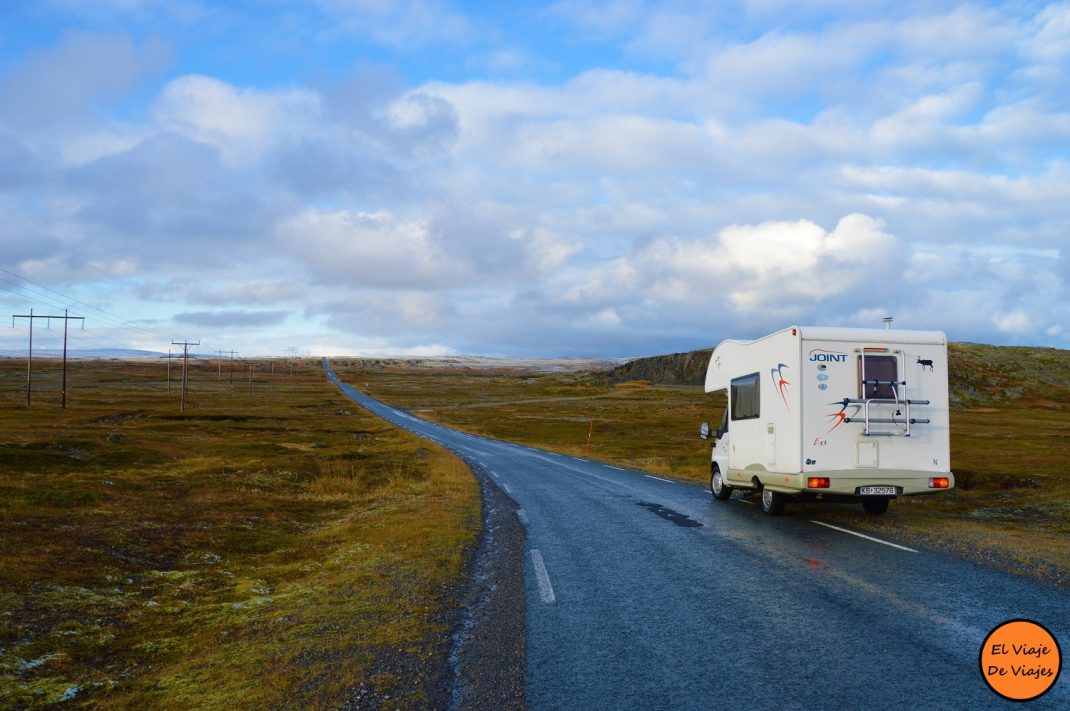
[[1020, 660]]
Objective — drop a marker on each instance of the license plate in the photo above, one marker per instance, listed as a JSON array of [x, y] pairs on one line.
[[877, 490]]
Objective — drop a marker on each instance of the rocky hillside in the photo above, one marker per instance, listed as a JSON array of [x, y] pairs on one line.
[[980, 374], [675, 369]]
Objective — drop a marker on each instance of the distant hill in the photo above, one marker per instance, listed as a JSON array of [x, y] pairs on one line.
[[980, 374], [86, 353], [675, 369], [1038, 377]]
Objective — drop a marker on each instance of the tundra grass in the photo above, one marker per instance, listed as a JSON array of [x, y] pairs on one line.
[[1012, 462], [272, 546], [634, 424]]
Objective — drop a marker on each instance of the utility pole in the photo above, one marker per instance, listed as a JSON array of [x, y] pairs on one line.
[[185, 364], [170, 357], [251, 362], [230, 367], [219, 359], [29, 357], [292, 351]]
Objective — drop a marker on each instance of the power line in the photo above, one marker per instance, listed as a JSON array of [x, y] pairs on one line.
[[106, 316]]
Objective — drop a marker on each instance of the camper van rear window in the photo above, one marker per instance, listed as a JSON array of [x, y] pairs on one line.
[[745, 397], [880, 371]]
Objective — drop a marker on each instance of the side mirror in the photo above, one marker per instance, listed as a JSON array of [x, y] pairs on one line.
[[704, 430]]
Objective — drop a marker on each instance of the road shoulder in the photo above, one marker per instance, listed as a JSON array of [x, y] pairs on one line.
[[489, 654]]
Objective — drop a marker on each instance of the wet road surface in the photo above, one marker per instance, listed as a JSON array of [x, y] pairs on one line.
[[644, 593]]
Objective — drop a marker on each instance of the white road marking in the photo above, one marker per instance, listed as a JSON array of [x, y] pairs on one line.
[[523, 516], [620, 469], [506, 487], [862, 535], [546, 590], [651, 476]]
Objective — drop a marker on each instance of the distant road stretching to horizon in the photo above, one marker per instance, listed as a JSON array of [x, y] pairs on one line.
[[644, 593]]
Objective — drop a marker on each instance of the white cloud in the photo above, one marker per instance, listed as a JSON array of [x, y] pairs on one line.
[[1015, 322], [769, 264], [606, 318], [608, 201], [370, 250], [418, 308], [61, 84], [548, 252], [242, 123], [401, 24], [1050, 40], [602, 18], [928, 119], [778, 64]]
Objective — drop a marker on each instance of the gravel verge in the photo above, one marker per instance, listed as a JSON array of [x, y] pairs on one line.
[[488, 658]]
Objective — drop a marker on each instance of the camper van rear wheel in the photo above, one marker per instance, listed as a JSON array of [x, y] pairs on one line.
[[772, 501], [717, 486], [876, 506]]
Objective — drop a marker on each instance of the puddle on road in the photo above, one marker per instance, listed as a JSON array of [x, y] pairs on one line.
[[669, 515]]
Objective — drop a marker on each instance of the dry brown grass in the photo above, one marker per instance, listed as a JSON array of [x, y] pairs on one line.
[[282, 550]]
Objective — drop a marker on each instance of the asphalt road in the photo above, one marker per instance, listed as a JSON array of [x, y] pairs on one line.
[[644, 593]]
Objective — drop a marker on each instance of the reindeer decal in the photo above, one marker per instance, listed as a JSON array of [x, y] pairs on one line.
[[925, 363]]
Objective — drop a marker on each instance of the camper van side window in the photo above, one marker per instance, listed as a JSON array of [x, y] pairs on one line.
[[745, 397], [881, 368]]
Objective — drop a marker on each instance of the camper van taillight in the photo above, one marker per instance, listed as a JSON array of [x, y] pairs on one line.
[[939, 482], [817, 482]]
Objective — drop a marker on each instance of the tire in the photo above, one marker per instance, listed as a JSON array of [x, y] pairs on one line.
[[876, 506], [772, 502], [718, 488]]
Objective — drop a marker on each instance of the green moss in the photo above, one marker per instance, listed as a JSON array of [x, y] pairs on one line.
[[247, 553]]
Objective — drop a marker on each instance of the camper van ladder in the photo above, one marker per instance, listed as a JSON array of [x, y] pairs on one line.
[[900, 403]]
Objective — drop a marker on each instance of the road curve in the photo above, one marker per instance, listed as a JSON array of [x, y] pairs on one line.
[[644, 593]]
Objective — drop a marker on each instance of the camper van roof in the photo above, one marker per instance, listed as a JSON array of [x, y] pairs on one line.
[[856, 335], [827, 333], [731, 351]]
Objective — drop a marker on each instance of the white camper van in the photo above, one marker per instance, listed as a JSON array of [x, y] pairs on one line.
[[832, 414]]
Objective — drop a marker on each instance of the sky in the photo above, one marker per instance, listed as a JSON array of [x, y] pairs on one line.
[[583, 179]]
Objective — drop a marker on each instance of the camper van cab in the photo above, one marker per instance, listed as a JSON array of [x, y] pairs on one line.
[[831, 414]]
